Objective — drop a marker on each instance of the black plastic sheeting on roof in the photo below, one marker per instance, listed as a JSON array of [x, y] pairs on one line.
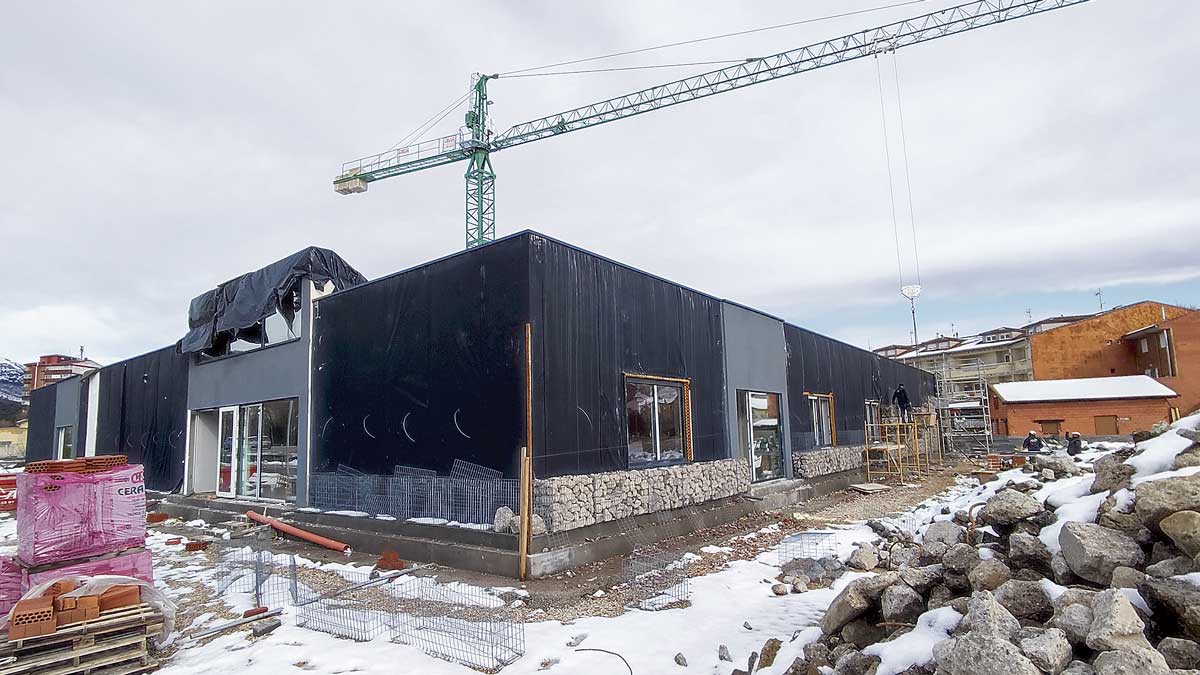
[[595, 320], [143, 414], [242, 302], [39, 443], [425, 366]]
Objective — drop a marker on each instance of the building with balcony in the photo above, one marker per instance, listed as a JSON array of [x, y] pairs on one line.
[[52, 368]]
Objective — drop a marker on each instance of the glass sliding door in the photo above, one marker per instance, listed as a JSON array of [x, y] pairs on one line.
[[227, 435], [249, 434], [760, 434], [277, 454]]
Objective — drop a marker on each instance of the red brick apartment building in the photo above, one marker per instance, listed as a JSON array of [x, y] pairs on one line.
[[1148, 338], [51, 368], [1100, 406]]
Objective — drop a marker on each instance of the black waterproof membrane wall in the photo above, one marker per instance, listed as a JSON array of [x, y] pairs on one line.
[[143, 414], [39, 444], [819, 364], [594, 321], [424, 366]]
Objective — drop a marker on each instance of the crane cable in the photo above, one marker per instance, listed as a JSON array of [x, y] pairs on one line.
[[907, 174], [428, 124], [711, 37], [912, 218], [887, 153]]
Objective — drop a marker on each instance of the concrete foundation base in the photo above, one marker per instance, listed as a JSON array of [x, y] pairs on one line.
[[495, 553]]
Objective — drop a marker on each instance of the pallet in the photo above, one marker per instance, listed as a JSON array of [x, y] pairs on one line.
[[116, 643]]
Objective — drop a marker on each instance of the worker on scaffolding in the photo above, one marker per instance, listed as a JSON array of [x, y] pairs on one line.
[[900, 399], [1074, 443], [1032, 442]]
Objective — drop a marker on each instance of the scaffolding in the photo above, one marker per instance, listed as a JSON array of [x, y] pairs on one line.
[[907, 447], [964, 411]]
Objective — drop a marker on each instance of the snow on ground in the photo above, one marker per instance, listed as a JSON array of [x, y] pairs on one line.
[[915, 647], [1159, 452]]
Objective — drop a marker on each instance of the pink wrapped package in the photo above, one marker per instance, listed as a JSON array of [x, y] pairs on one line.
[[138, 564], [64, 516], [10, 583]]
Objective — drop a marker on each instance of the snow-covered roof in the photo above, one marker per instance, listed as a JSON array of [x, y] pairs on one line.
[[972, 344], [1083, 389]]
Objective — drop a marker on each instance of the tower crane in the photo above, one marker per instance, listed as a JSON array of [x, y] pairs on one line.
[[476, 142]]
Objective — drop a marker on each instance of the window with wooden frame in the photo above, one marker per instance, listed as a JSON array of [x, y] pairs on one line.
[[658, 413], [823, 417]]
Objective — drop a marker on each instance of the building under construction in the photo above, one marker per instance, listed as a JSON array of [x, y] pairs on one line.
[[303, 370]]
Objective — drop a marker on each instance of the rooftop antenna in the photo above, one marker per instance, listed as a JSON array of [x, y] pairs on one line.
[[1028, 315], [1100, 294], [912, 292], [80, 352]]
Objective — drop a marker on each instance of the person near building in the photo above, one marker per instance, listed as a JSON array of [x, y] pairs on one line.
[[900, 399], [1032, 443], [1074, 443]]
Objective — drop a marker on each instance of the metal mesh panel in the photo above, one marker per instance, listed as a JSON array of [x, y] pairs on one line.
[[464, 624], [462, 469], [256, 573], [340, 605], [812, 544], [405, 496], [404, 470]]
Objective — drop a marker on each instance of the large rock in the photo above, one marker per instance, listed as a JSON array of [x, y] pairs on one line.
[[1093, 552], [1112, 473], [504, 520], [1158, 499], [982, 654], [1024, 599], [1079, 668], [865, 558], [1061, 465], [901, 604], [1173, 600], [855, 662], [986, 616], [1050, 651], [1137, 662], [1008, 507], [1073, 620], [863, 632], [921, 579], [1180, 653], [947, 533], [1171, 567], [904, 554], [988, 575], [1115, 624], [961, 558], [1026, 550], [1183, 527], [1061, 571], [856, 599], [1127, 577]]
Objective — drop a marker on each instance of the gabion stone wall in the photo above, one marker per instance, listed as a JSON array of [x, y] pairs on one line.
[[813, 463], [567, 502]]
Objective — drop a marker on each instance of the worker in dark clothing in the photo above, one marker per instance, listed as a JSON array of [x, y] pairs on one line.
[[1074, 444], [1032, 443], [900, 399]]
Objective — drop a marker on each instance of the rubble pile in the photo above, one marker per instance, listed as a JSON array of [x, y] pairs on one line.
[[1060, 567]]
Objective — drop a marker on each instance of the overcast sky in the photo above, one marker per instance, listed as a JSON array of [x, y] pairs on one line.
[[152, 150]]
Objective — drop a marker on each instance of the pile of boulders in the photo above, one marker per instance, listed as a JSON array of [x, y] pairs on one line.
[[1109, 597]]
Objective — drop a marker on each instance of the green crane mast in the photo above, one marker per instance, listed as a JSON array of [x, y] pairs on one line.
[[476, 143]]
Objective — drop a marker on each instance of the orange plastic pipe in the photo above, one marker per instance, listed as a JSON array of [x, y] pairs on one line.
[[299, 533]]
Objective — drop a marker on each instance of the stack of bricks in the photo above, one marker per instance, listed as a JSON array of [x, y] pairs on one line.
[[103, 496], [62, 604]]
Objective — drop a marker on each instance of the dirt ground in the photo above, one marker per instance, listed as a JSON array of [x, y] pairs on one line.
[[573, 594]]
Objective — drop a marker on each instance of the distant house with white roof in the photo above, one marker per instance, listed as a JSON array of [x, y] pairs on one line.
[[1093, 406]]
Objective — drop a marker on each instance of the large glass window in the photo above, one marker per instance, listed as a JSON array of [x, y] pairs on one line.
[[65, 442], [258, 453], [657, 423], [760, 433], [278, 450], [822, 416]]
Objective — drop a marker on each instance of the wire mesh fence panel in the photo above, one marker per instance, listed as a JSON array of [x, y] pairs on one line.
[[349, 470], [415, 495], [460, 623], [656, 580], [811, 544], [255, 577], [464, 469], [405, 470], [348, 604]]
